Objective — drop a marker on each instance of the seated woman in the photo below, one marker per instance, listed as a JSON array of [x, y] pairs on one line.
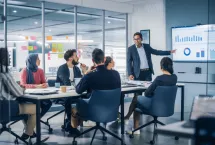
[[166, 79], [33, 77], [109, 63], [11, 91]]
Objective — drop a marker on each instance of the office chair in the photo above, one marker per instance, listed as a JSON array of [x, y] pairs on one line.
[[6, 117], [51, 83], [162, 105], [102, 107], [204, 131]]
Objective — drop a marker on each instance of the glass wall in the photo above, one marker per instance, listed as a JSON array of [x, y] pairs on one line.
[[115, 39], [1, 27], [59, 35], [25, 33], [89, 33]]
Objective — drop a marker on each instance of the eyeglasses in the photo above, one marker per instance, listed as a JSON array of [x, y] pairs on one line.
[[137, 39]]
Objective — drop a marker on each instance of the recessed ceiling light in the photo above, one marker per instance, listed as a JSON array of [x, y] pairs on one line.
[[109, 22], [50, 30], [14, 11], [36, 23]]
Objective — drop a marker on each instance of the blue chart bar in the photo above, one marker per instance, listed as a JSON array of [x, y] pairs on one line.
[[202, 53], [197, 54], [186, 38]]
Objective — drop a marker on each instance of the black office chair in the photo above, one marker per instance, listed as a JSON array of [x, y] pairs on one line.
[[51, 83], [205, 131], [162, 105], [102, 107], [7, 116]]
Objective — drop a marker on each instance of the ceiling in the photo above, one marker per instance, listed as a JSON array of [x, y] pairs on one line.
[[24, 19], [133, 2]]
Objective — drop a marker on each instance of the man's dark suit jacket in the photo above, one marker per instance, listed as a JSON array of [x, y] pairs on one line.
[[63, 74], [133, 59], [101, 79]]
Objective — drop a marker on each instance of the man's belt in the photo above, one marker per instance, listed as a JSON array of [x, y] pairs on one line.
[[145, 69]]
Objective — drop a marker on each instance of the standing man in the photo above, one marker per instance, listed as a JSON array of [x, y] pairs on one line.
[[139, 63]]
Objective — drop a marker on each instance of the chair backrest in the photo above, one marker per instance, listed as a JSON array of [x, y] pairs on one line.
[[104, 105], [205, 131], [163, 101], [51, 82], [10, 111]]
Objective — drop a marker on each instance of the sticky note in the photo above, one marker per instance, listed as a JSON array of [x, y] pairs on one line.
[[54, 49], [35, 47], [30, 48], [54, 45], [33, 37], [24, 48], [48, 37], [60, 55]]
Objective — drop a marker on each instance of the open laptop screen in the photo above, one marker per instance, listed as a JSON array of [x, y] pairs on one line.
[[203, 107]]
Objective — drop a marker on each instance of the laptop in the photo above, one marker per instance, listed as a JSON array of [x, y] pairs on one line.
[[203, 106]]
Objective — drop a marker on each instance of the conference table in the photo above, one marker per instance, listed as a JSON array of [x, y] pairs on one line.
[[36, 99]]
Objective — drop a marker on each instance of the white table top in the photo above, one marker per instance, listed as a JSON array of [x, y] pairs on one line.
[[72, 93], [176, 129]]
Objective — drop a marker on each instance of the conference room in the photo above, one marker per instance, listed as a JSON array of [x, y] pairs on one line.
[[157, 81]]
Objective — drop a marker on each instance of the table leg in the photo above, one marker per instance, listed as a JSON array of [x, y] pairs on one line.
[[122, 114], [182, 103], [38, 127]]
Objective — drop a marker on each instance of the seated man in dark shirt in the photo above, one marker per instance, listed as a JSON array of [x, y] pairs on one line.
[[166, 79], [65, 76], [100, 79]]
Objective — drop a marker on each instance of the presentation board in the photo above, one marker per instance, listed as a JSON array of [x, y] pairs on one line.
[[195, 43]]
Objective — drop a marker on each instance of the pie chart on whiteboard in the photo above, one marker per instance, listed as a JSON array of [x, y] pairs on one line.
[[187, 51]]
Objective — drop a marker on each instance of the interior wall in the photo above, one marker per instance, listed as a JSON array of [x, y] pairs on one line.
[[150, 15], [187, 13], [99, 4]]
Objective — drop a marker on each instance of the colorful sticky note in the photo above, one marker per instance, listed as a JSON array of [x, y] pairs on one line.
[[48, 37], [24, 48], [35, 47], [60, 55], [30, 48], [54, 49], [26, 37], [54, 45], [60, 45], [33, 37]]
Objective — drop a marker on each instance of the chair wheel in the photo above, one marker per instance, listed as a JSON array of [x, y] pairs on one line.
[[176, 138], [152, 142], [104, 138], [131, 136], [16, 141], [74, 142], [50, 130]]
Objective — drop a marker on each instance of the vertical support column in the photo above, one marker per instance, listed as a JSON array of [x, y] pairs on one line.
[[75, 27], [103, 30], [126, 45], [43, 35]]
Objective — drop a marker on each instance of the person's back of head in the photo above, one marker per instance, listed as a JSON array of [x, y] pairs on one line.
[[108, 60], [167, 65], [98, 56], [3, 59]]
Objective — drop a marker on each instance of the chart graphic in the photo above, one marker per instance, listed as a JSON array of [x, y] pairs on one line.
[[193, 38], [187, 51]]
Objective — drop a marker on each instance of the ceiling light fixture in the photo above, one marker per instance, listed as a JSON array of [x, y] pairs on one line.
[[50, 30], [14, 11], [36, 23], [109, 22]]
